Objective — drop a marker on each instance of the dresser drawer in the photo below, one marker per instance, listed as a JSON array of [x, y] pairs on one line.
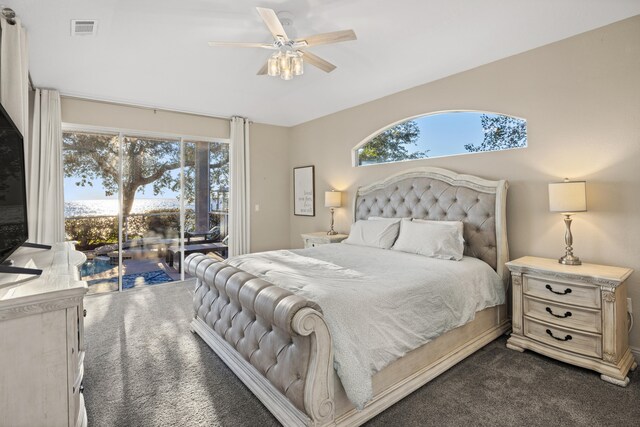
[[562, 292], [584, 319], [563, 338]]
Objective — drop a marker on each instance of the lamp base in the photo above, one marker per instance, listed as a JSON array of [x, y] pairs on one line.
[[331, 231], [570, 260]]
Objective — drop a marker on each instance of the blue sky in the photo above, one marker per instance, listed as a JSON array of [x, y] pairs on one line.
[[446, 133]]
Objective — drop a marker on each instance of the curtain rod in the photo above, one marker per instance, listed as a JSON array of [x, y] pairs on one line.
[[9, 15], [145, 107]]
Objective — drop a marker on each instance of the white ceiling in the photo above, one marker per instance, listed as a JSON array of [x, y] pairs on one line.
[[154, 52]]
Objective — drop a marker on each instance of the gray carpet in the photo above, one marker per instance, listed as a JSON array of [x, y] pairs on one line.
[[144, 368]]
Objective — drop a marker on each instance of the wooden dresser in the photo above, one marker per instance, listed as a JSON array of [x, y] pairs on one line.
[[573, 313], [41, 336]]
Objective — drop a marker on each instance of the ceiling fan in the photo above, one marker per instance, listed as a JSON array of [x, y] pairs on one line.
[[288, 60]]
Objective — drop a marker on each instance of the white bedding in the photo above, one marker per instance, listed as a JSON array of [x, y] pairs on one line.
[[379, 304]]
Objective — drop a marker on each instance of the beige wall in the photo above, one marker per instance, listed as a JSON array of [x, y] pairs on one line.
[[269, 156], [581, 99]]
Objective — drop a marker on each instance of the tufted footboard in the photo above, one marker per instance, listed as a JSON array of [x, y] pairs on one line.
[[276, 342]]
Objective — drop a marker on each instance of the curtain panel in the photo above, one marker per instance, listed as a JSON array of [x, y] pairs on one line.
[[14, 74], [45, 190], [239, 201]]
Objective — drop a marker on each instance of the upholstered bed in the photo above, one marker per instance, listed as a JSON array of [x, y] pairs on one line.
[[278, 341]]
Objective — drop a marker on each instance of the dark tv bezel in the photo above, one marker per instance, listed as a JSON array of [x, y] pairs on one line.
[[13, 128]]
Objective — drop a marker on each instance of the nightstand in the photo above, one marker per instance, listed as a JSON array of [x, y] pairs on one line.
[[311, 240], [573, 313]]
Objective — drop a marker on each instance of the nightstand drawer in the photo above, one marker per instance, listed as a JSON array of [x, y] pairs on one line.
[[311, 240], [312, 243], [584, 319], [563, 338], [562, 292]]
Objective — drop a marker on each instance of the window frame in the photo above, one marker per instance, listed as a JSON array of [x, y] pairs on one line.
[[121, 133], [363, 142]]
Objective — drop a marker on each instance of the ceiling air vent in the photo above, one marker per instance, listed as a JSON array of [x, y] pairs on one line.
[[83, 27]]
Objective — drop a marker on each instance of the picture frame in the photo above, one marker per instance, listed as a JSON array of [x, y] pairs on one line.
[[304, 194]]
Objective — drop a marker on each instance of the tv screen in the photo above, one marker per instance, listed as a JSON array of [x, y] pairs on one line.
[[13, 195]]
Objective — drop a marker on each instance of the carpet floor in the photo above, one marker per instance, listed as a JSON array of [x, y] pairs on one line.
[[143, 367]]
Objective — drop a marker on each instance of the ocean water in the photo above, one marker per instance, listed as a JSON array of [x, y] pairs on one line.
[[109, 207]]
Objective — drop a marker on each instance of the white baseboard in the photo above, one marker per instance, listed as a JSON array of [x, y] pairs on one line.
[[636, 352]]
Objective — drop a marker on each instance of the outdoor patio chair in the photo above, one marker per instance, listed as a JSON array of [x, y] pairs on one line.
[[210, 236]]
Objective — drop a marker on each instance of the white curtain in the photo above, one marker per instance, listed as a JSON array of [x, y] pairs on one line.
[[14, 74], [239, 205], [45, 194]]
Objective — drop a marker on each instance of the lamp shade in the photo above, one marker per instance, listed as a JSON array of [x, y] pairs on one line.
[[567, 196], [332, 199]]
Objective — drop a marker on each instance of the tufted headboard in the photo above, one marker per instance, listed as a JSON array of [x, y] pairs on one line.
[[440, 194]]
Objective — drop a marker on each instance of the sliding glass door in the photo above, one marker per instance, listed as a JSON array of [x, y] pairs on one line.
[[92, 175], [150, 209], [136, 204]]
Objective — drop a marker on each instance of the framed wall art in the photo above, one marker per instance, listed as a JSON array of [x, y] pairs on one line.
[[304, 196]]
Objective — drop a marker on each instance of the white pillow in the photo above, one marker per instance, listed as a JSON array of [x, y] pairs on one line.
[[456, 223], [382, 218], [376, 234], [435, 239]]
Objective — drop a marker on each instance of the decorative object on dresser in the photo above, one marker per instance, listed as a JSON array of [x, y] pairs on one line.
[[332, 199], [576, 314], [304, 198], [41, 331], [312, 240], [568, 197]]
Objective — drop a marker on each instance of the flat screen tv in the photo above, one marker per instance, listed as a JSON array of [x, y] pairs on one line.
[[13, 194]]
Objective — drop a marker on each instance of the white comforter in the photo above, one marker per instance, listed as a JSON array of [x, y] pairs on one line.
[[379, 304]]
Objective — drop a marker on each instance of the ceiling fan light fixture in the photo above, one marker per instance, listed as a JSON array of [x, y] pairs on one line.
[[287, 60], [273, 69], [286, 74], [284, 61], [297, 65]]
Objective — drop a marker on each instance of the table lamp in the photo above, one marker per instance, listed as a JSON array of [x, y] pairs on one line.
[[568, 197], [332, 199]]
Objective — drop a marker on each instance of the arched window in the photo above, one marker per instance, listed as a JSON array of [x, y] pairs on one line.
[[442, 134]]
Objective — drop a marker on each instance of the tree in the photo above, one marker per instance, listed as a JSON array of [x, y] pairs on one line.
[[391, 145], [88, 157], [500, 133]]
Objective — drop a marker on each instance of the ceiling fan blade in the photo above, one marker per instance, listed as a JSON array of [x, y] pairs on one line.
[[262, 71], [241, 44], [273, 23], [326, 38], [315, 60]]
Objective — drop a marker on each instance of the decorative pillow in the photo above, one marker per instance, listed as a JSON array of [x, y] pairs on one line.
[[376, 234], [435, 239]]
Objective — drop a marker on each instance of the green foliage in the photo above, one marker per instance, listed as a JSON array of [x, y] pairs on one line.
[[500, 133], [146, 161], [391, 145], [92, 232]]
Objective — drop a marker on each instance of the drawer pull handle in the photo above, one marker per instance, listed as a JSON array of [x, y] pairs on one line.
[[567, 314], [566, 291], [567, 338], [84, 313]]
